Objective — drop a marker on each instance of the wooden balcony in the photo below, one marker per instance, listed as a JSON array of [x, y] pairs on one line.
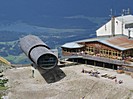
[[98, 58]]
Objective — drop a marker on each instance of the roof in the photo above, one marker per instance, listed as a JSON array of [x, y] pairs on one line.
[[127, 19], [29, 42], [118, 42], [88, 40], [72, 45], [93, 39]]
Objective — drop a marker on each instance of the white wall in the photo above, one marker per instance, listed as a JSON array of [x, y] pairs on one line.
[[105, 30], [131, 33], [118, 27], [126, 32]]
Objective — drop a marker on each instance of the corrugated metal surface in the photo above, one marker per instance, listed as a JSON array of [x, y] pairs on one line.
[[72, 45], [122, 42], [37, 51], [118, 42], [30, 41]]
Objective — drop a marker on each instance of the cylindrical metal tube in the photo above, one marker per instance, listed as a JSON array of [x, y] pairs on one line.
[[38, 52]]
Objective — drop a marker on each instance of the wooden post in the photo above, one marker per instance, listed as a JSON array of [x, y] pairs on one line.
[[86, 62], [108, 53], [112, 54], [77, 61], [72, 60], [113, 66], [103, 65], [94, 63]]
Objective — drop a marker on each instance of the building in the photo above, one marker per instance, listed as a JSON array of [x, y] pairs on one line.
[[72, 48], [117, 25], [113, 44]]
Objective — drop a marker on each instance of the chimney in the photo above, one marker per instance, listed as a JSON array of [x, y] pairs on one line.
[[113, 26]]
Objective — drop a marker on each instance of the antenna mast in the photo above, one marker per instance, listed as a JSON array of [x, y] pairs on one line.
[[126, 12], [111, 12]]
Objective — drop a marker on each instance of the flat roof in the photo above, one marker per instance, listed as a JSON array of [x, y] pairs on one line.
[[127, 19]]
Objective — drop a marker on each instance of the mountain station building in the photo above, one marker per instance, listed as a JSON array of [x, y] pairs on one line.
[[113, 45]]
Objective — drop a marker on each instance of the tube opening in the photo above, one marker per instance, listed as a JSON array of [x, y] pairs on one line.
[[47, 61]]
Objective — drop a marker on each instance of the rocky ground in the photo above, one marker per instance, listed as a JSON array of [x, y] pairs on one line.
[[74, 85]]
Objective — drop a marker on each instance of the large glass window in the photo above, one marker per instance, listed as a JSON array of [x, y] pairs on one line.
[[47, 61]]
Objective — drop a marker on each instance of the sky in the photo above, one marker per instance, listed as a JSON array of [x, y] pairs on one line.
[[31, 8]]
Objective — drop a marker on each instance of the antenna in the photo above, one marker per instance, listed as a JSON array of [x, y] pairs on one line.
[[111, 13], [128, 11], [125, 12]]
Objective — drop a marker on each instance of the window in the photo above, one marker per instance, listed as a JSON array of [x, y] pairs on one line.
[[117, 22], [129, 26], [64, 49], [105, 27], [110, 52], [114, 53], [106, 51]]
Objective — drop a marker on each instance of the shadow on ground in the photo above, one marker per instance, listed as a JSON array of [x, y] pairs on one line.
[[52, 75]]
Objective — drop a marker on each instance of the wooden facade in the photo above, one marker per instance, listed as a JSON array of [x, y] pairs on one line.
[[71, 51], [99, 49]]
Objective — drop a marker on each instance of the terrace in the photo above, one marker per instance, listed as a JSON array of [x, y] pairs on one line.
[[98, 58]]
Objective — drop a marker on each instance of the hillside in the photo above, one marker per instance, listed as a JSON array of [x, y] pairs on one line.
[[74, 29]]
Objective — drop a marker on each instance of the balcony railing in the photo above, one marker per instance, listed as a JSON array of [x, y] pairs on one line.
[[98, 58]]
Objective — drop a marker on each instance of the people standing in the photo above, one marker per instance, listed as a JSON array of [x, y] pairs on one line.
[[33, 72], [115, 80]]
